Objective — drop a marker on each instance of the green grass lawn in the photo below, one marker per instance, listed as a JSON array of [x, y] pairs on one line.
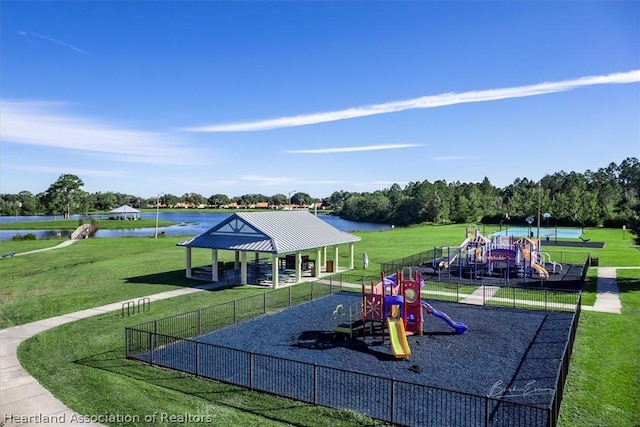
[[602, 387], [72, 224], [89, 273], [95, 378]]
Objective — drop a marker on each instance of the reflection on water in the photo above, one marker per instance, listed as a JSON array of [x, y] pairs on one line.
[[187, 224]]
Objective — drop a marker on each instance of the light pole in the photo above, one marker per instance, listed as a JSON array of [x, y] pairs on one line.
[[292, 191], [530, 221], [539, 196], [157, 213]]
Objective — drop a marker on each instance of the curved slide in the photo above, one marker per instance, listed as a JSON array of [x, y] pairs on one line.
[[399, 344], [459, 327], [541, 270]]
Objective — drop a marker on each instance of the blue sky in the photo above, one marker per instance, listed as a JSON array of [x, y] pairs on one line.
[[144, 97]]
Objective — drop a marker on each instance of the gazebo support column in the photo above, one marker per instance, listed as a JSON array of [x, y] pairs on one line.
[[335, 259], [243, 268], [274, 271], [351, 255], [324, 256], [188, 262], [236, 263], [298, 267], [214, 265], [318, 263]]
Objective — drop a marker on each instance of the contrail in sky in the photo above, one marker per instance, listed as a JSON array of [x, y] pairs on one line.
[[352, 149], [432, 101], [52, 40]]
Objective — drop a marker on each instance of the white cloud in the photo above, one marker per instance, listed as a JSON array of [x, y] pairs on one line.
[[52, 40], [432, 101], [353, 149], [67, 169], [42, 124]]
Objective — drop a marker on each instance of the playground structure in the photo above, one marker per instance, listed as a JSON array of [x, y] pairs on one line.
[[502, 256], [393, 302]]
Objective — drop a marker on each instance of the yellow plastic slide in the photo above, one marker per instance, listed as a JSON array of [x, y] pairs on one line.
[[399, 344], [541, 270]]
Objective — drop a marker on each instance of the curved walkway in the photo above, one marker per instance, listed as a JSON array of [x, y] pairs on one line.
[[23, 401], [59, 245]]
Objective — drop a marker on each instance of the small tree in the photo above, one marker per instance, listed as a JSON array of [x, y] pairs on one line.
[[64, 192]]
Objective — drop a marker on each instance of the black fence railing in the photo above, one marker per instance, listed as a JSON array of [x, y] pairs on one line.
[[567, 269], [563, 372], [167, 343]]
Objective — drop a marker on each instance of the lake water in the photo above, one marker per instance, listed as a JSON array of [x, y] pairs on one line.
[[187, 224]]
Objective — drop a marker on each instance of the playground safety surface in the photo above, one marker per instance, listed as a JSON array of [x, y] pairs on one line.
[[506, 353]]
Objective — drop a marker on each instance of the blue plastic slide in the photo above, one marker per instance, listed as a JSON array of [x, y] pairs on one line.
[[459, 327]]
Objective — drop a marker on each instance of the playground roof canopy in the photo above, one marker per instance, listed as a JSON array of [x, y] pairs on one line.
[[271, 232]]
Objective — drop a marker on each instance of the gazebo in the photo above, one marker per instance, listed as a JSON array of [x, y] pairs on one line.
[[277, 233], [125, 212]]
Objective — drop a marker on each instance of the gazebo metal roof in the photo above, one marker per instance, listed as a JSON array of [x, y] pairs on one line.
[[124, 209], [271, 232]]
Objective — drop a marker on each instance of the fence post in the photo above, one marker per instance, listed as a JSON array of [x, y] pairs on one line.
[[393, 394], [315, 383], [234, 313], [264, 303], [151, 335], [546, 293], [126, 343], [196, 367], [289, 289], [199, 321], [487, 418], [251, 371], [155, 338]]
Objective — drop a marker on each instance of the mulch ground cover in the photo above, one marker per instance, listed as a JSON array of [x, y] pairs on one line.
[[506, 353]]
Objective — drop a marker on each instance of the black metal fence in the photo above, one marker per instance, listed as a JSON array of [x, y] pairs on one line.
[[568, 270], [167, 343]]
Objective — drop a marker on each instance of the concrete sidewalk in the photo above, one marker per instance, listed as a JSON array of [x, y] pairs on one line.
[[58, 246], [23, 401], [608, 293]]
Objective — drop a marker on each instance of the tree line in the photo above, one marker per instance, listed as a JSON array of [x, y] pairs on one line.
[[608, 197], [65, 197]]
